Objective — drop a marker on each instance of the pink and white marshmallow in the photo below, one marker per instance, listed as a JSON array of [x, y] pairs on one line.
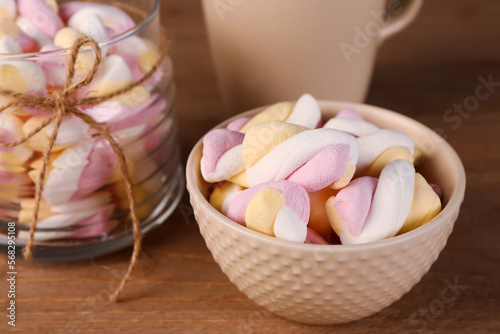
[[97, 225], [141, 55], [279, 209], [222, 155], [76, 172], [31, 30], [77, 12], [315, 159], [68, 214], [9, 28], [43, 14], [379, 148], [368, 209]]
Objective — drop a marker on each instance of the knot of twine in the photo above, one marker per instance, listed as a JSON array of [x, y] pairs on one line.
[[63, 105]]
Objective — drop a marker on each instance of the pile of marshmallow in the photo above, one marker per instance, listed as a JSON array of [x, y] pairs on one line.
[[284, 174], [84, 188]]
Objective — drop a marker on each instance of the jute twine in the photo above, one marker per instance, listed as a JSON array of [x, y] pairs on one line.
[[63, 105]]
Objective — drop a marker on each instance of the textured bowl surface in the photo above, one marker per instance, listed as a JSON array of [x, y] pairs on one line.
[[333, 284]]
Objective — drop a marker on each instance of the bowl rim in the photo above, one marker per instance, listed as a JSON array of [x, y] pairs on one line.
[[451, 207]]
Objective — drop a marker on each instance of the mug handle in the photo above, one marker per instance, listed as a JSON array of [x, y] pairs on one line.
[[401, 20]]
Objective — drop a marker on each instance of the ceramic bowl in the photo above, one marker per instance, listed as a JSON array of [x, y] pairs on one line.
[[334, 284]]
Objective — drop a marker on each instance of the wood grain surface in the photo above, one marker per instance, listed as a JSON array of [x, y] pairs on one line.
[[178, 288]]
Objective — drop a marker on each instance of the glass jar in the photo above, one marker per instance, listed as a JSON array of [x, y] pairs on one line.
[[84, 210]]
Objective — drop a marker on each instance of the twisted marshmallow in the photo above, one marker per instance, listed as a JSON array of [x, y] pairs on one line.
[[21, 77], [76, 172], [425, 206], [41, 14], [90, 217], [10, 30], [350, 121], [304, 112], [278, 209], [33, 32], [378, 149], [77, 12], [222, 155], [315, 159], [223, 194], [369, 210]]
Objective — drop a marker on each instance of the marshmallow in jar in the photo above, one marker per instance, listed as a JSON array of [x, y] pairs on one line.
[[84, 207]]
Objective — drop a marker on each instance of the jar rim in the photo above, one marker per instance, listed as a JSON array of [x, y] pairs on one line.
[[102, 44]]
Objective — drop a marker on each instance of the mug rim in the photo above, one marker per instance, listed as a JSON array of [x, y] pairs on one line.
[[102, 44], [451, 207]]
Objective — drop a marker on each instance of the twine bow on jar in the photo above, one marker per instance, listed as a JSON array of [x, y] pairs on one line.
[[63, 105]]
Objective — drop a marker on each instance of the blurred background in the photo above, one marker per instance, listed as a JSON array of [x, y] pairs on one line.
[[443, 52]]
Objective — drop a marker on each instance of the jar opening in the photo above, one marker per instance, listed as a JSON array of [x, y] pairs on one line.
[[136, 14]]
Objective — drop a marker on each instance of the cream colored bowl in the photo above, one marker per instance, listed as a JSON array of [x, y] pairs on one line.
[[333, 284]]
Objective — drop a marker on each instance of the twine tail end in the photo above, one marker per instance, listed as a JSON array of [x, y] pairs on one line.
[[28, 252], [113, 298], [133, 261]]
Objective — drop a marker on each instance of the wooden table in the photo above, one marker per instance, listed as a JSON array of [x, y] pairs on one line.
[[178, 288]]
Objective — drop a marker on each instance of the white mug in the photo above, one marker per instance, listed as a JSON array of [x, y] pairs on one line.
[[266, 51]]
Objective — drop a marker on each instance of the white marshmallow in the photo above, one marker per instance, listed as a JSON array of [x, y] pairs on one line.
[[8, 7], [71, 132], [90, 24], [69, 219], [306, 112], [228, 200], [115, 19], [230, 163], [371, 146], [356, 127], [289, 226], [62, 182], [390, 206], [113, 70], [9, 45], [29, 29], [128, 135], [133, 45]]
